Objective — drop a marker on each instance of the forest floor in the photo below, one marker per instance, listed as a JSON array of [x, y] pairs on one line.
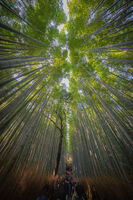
[[65, 188]]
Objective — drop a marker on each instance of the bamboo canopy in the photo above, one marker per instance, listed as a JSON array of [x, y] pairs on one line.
[[66, 90]]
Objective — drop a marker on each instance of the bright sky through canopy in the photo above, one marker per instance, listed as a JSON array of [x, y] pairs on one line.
[[66, 82], [65, 9]]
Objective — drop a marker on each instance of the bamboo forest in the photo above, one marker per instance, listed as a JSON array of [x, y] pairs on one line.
[[66, 99]]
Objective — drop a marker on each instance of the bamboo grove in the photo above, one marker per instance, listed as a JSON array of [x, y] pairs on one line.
[[42, 120]]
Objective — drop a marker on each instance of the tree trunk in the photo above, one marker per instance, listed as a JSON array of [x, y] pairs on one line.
[[59, 151]]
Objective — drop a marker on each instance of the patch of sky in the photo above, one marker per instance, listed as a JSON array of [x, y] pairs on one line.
[[66, 10], [81, 92], [130, 18], [126, 67], [70, 110], [20, 7], [65, 82], [32, 82], [28, 67], [40, 65], [108, 15], [60, 27], [129, 77], [111, 69], [56, 42], [102, 60], [63, 70], [33, 3], [67, 129], [17, 77], [94, 72], [64, 48], [5, 18], [68, 57], [92, 36], [97, 76], [86, 59], [92, 15], [130, 11], [52, 24]]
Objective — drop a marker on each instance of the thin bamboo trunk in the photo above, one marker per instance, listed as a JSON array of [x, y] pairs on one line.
[[59, 150]]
